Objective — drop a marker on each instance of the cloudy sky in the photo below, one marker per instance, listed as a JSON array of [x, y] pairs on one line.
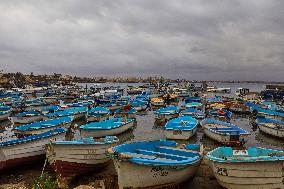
[[192, 39]]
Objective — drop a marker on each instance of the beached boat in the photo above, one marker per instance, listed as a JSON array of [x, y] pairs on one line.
[[71, 158], [248, 168], [43, 126], [154, 163], [5, 112], [192, 105], [131, 113], [18, 152], [37, 107], [167, 113], [193, 112], [220, 113], [98, 114], [77, 113], [268, 113], [157, 102], [239, 108], [270, 126], [192, 99], [139, 105], [182, 128], [224, 133], [27, 117], [110, 127]]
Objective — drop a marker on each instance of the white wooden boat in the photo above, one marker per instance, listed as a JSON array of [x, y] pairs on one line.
[[272, 127], [167, 113], [77, 113], [71, 158], [154, 163], [224, 133], [110, 127], [43, 126], [248, 168], [182, 128], [27, 117], [98, 114], [26, 150]]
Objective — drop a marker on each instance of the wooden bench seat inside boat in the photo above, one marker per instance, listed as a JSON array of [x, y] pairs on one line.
[[143, 156], [163, 155], [176, 149]]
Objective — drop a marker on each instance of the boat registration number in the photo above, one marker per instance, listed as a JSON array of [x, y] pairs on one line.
[[176, 132], [240, 152]]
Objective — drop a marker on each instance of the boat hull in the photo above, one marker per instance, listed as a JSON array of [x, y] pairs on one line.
[[42, 130], [225, 139], [71, 160], [131, 175], [4, 116], [24, 120], [274, 132], [250, 175], [97, 133], [25, 153]]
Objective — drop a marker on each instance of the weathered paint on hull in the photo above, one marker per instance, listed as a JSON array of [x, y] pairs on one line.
[[182, 135], [25, 120], [70, 169], [224, 139], [110, 132], [72, 160], [5, 165], [131, 175], [274, 132], [260, 175], [39, 131], [4, 116], [15, 155]]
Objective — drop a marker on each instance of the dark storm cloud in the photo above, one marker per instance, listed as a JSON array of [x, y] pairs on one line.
[[204, 39]]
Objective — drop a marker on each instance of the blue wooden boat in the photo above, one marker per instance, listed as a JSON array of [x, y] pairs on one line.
[[88, 104], [154, 163], [27, 117], [270, 126], [192, 105], [248, 168], [43, 126], [192, 99], [71, 158], [98, 114], [182, 128], [50, 109], [77, 113], [5, 112], [193, 112], [110, 127], [17, 152], [268, 113], [139, 105], [223, 132], [131, 113], [167, 113], [220, 113]]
